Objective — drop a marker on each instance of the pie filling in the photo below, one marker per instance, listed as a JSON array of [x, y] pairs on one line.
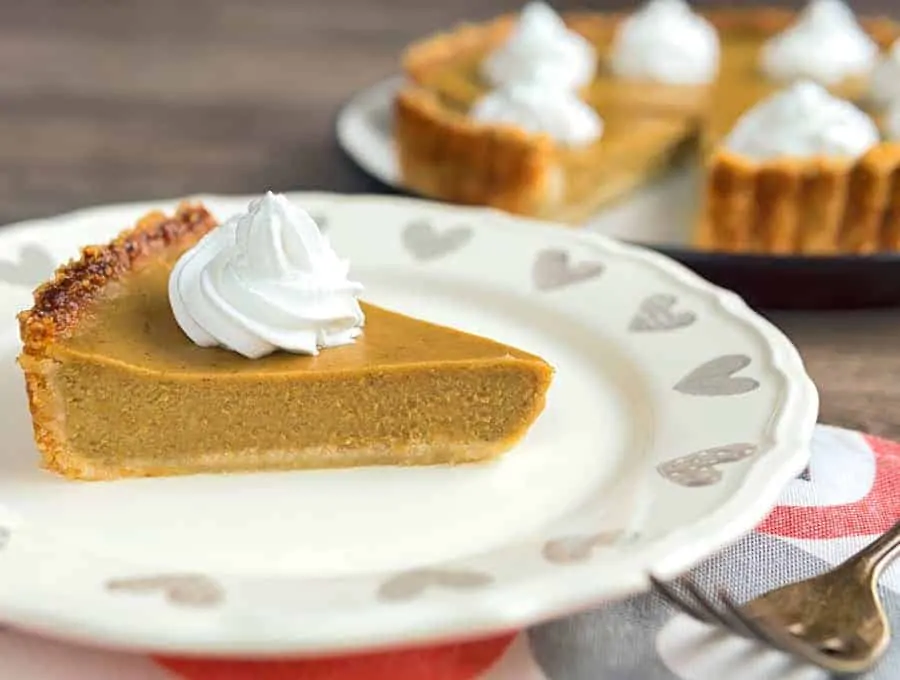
[[458, 414]]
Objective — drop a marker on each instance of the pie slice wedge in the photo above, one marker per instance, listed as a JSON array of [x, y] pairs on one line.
[[116, 389]]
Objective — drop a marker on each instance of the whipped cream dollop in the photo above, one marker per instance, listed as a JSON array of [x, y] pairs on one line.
[[803, 121], [665, 41], [541, 47], [266, 280], [825, 44], [539, 109], [885, 84]]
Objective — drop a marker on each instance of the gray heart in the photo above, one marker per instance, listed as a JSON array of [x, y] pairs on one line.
[[701, 467], [321, 221], [33, 266], [553, 270], [426, 243], [656, 314], [577, 548], [5, 535], [715, 378], [411, 584], [186, 590]]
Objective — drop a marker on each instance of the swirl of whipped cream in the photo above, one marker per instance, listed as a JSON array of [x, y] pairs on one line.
[[885, 86], [535, 109], [803, 121], [825, 44], [541, 47], [666, 42], [265, 280]]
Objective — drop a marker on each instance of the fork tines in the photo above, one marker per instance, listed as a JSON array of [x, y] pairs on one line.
[[726, 613]]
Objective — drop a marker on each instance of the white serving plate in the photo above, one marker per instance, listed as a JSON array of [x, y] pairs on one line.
[[658, 373]]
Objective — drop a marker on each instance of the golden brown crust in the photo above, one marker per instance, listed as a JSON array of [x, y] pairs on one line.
[[445, 155], [817, 207], [60, 303]]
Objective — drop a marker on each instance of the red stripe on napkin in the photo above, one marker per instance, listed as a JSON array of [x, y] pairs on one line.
[[873, 514]]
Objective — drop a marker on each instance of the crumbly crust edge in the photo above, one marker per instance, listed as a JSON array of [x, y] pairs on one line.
[[60, 303]]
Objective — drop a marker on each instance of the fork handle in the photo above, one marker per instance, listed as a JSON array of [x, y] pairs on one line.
[[879, 553]]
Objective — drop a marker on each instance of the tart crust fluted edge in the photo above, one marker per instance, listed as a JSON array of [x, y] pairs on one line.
[[817, 206]]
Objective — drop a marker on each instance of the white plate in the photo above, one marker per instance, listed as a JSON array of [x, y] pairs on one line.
[[659, 214], [658, 371]]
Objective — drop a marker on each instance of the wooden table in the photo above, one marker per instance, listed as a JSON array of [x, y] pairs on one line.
[[106, 100]]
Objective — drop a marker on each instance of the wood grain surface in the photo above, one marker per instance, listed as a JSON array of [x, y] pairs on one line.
[[116, 100]]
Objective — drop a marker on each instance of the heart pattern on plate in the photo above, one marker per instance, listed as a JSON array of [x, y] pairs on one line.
[[186, 590], [553, 269], [701, 468], [33, 265], [411, 584], [716, 378], [656, 314], [577, 548], [425, 242]]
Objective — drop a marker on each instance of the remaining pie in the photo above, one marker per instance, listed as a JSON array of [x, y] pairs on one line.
[[810, 205], [117, 389]]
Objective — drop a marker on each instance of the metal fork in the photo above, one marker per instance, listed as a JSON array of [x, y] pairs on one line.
[[835, 620]]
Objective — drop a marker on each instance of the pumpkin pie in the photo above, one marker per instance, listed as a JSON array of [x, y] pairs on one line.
[[117, 389], [816, 205]]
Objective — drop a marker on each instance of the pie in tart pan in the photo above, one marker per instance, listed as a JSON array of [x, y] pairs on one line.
[[809, 206]]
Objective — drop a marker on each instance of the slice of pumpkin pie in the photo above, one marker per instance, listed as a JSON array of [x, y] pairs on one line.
[[184, 347]]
